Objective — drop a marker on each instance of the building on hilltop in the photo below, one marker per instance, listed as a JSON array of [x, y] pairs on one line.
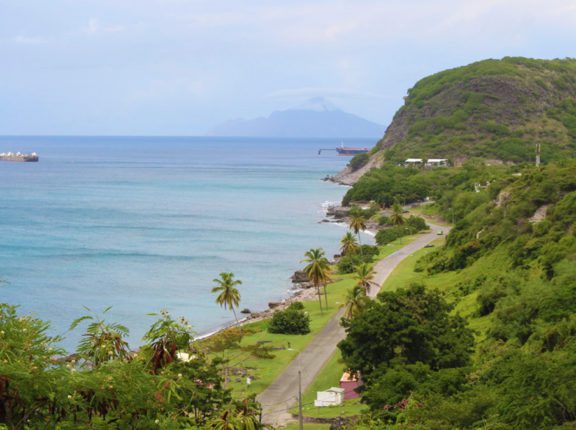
[[437, 162], [414, 162]]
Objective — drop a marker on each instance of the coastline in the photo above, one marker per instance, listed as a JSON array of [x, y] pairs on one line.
[[296, 294]]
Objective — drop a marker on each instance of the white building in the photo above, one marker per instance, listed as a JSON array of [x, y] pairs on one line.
[[437, 162], [413, 162], [332, 397]]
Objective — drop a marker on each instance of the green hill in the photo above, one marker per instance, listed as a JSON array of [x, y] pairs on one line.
[[494, 109]]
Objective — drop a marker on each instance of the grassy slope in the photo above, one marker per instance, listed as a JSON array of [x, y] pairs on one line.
[[264, 371], [453, 284]]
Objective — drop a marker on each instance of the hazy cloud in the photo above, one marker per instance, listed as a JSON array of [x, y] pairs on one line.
[[27, 40], [94, 27], [323, 92], [220, 59]]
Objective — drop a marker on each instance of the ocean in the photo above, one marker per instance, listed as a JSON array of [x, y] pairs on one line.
[[146, 223]]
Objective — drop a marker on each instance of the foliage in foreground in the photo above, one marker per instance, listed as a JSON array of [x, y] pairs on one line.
[[169, 384]]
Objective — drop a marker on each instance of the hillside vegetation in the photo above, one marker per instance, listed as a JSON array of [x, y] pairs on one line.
[[494, 109], [508, 270]]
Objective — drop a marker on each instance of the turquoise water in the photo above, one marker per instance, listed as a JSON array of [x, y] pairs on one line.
[[141, 224]]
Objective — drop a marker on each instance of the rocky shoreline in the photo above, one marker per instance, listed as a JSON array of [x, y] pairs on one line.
[[302, 289]]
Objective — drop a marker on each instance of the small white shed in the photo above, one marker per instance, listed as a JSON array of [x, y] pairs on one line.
[[332, 397], [437, 162], [413, 162]]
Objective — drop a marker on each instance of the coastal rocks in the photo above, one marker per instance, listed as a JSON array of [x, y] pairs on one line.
[[274, 305], [299, 277], [245, 311], [300, 281], [338, 212]]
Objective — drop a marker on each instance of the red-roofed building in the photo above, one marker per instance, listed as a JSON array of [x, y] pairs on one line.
[[349, 382]]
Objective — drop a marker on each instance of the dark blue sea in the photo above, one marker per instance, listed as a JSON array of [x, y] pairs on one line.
[[146, 223]]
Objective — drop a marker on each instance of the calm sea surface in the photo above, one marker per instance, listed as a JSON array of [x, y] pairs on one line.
[[142, 224]]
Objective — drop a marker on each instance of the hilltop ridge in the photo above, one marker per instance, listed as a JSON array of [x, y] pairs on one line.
[[493, 109]]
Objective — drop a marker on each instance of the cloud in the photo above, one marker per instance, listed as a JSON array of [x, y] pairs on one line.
[[170, 89], [27, 40], [95, 27], [308, 92]]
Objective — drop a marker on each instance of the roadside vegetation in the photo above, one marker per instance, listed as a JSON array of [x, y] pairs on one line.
[[501, 292]]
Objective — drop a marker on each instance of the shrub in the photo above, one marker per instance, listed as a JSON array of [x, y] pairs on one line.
[[290, 321], [417, 222], [299, 306], [384, 237], [358, 161], [384, 220], [365, 254]]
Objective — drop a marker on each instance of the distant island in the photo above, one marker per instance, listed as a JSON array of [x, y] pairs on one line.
[[318, 117]]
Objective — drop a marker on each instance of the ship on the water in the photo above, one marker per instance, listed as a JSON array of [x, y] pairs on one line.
[[351, 151], [343, 150], [18, 156]]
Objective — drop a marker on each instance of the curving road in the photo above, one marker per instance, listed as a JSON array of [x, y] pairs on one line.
[[282, 394]]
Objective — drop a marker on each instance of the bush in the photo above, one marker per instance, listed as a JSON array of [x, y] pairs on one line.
[[290, 321], [386, 236], [365, 254], [417, 222], [299, 306], [358, 161], [384, 220]]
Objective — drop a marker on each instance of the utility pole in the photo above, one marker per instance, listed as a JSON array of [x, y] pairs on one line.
[[538, 154], [300, 417]]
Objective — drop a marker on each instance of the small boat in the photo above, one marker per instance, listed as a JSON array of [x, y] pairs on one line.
[[18, 156]]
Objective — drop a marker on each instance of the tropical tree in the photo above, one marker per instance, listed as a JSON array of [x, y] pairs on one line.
[[349, 244], [356, 301], [318, 271], [165, 337], [102, 341], [229, 297], [397, 218], [364, 275], [357, 223]]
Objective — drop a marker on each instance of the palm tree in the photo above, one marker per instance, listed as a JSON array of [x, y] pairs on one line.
[[356, 301], [396, 218], [102, 341], [318, 271], [349, 244], [364, 275], [229, 296], [357, 223]]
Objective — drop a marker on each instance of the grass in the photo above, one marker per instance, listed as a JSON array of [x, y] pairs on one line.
[[286, 348], [429, 212], [294, 426], [455, 284]]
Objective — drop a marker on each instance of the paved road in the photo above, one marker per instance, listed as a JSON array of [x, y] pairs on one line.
[[282, 394]]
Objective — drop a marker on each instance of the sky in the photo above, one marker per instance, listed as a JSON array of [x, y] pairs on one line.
[[179, 67]]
